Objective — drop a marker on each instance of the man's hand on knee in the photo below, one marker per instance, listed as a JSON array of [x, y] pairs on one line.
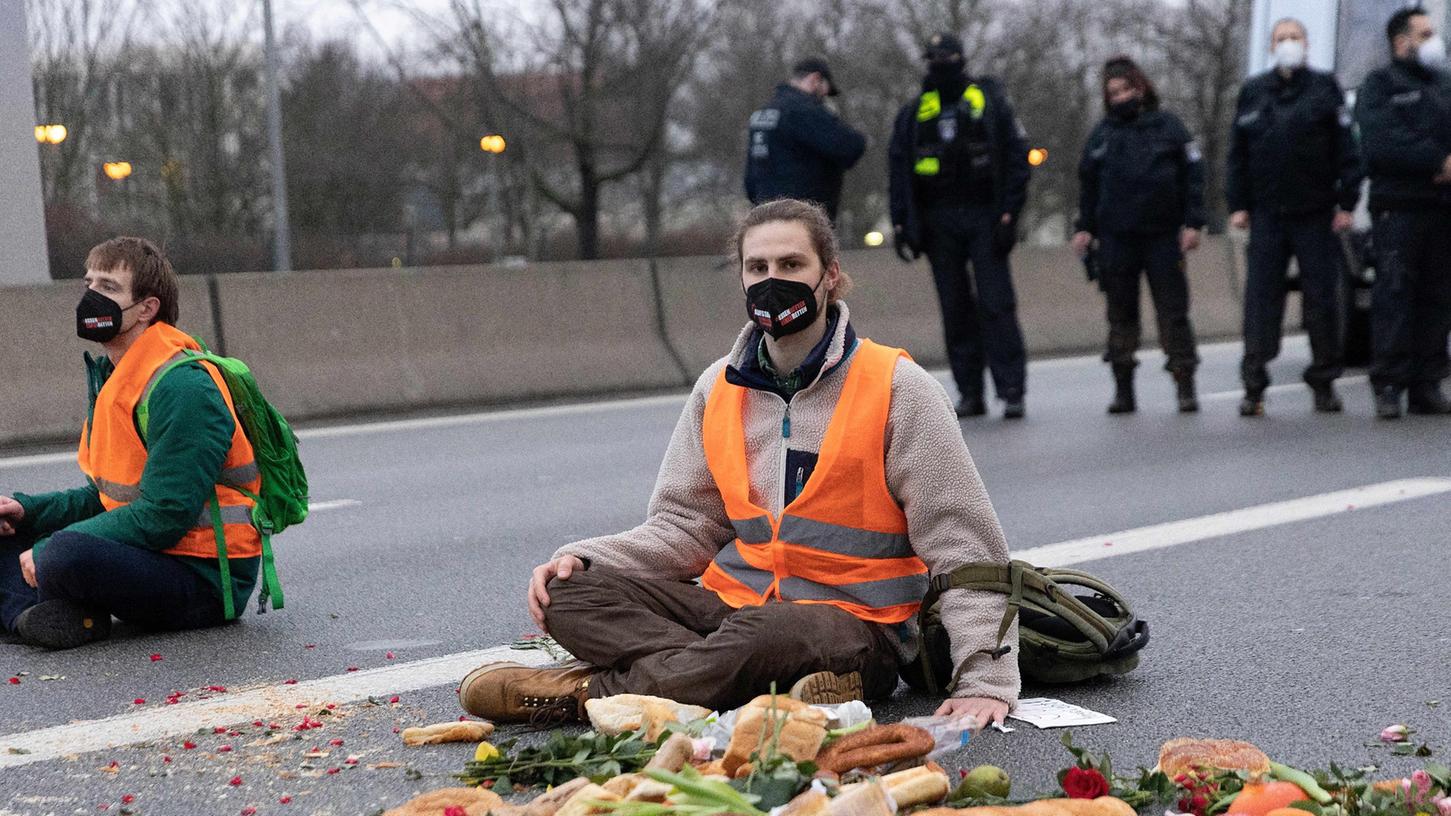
[[11, 513], [562, 567], [986, 710], [27, 567]]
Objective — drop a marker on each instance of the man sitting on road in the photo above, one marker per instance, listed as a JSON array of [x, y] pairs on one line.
[[813, 482], [139, 540]]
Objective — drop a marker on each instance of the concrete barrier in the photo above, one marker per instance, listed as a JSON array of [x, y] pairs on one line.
[[328, 343], [896, 303], [43, 380], [352, 341]]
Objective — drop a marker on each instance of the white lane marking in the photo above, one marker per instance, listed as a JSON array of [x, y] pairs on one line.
[[1284, 388], [332, 505], [1216, 525], [269, 703], [571, 409], [275, 702]]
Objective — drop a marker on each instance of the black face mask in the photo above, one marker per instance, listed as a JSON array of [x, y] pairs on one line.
[[1128, 109], [943, 72], [98, 318], [782, 307]]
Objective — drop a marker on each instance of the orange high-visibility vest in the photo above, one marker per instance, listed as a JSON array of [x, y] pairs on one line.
[[113, 456], [843, 541]]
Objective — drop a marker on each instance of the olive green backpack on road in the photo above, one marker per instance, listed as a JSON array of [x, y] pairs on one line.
[[282, 499], [1063, 636]]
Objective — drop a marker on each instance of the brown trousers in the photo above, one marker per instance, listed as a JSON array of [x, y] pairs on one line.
[[678, 640]]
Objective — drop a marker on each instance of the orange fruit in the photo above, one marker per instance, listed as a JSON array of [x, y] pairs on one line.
[[1287, 811], [1261, 798]]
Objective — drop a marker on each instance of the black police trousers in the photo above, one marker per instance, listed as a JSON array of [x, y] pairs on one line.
[[1156, 256], [1273, 239], [1410, 310], [979, 313]]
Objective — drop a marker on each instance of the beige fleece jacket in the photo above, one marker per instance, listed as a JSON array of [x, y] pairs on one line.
[[950, 520]]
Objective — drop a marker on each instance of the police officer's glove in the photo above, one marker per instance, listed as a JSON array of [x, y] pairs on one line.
[[1005, 236], [903, 249]]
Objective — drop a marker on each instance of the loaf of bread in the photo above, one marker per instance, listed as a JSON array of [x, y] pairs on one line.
[[586, 801], [474, 801], [468, 731], [549, 802], [802, 730], [623, 713], [810, 802], [921, 785], [1183, 755], [1102, 806], [863, 799]]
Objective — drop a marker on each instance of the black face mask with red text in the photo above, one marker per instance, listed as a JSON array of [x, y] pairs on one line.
[[781, 307], [98, 318]]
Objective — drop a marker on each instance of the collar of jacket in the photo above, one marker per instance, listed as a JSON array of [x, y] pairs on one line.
[[1146, 118], [951, 89], [792, 92], [745, 368], [1414, 69], [1293, 84]]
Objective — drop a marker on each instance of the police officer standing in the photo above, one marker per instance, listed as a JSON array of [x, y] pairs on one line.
[[958, 172], [797, 147], [1404, 110], [1294, 180], [1141, 197]]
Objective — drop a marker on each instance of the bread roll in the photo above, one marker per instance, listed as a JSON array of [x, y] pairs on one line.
[[917, 786], [585, 801], [549, 803], [468, 731], [810, 802], [623, 784], [863, 799], [623, 713], [802, 730], [650, 791], [1183, 755], [1043, 807], [672, 754], [474, 801]]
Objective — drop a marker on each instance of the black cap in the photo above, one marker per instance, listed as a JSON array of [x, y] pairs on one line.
[[816, 65], [943, 46]]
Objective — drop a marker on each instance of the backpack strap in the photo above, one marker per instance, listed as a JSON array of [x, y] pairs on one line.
[[224, 566]]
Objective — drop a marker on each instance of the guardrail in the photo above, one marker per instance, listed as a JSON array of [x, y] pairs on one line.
[[346, 342]]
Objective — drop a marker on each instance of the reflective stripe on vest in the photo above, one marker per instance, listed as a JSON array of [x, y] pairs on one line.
[[113, 455], [843, 541], [929, 107]]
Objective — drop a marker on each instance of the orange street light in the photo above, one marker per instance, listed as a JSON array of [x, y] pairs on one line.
[[50, 134], [1037, 156], [493, 143], [116, 170]]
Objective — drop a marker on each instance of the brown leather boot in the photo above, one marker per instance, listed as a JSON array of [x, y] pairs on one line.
[[827, 688], [512, 692]]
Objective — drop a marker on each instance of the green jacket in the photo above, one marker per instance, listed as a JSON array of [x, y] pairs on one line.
[[190, 432]]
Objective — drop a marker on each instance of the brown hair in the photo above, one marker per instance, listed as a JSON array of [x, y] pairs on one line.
[[1123, 67], [151, 272], [808, 214]]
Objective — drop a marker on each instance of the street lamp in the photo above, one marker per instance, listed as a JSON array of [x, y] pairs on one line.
[[116, 171], [51, 134], [1037, 156], [493, 143]]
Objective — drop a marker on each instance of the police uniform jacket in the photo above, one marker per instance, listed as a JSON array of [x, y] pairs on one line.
[[1005, 150], [1404, 112], [1292, 148], [797, 148], [1144, 175]]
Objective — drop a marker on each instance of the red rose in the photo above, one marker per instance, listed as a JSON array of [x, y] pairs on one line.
[[1084, 783]]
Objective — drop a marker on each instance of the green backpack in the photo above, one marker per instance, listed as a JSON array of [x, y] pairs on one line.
[[1063, 636], [282, 499]]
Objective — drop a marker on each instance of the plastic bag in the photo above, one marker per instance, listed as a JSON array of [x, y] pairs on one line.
[[948, 733]]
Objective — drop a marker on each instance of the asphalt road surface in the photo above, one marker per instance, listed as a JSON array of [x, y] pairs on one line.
[[1283, 610]]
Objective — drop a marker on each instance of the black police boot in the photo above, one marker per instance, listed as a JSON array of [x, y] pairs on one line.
[[1014, 408], [1388, 402], [61, 624], [1184, 388], [1426, 398], [1123, 392], [1326, 400], [1253, 404], [971, 406]]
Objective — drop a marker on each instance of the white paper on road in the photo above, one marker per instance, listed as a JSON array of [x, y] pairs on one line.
[[1048, 713]]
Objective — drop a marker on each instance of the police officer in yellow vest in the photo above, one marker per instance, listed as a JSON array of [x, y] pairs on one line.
[[958, 172], [140, 539], [814, 482]]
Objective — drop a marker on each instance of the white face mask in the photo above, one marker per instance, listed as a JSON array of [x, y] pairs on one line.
[[1432, 53], [1289, 54]]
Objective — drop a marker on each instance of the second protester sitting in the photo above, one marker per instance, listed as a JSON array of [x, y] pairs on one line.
[[813, 484], [1142, 198]]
